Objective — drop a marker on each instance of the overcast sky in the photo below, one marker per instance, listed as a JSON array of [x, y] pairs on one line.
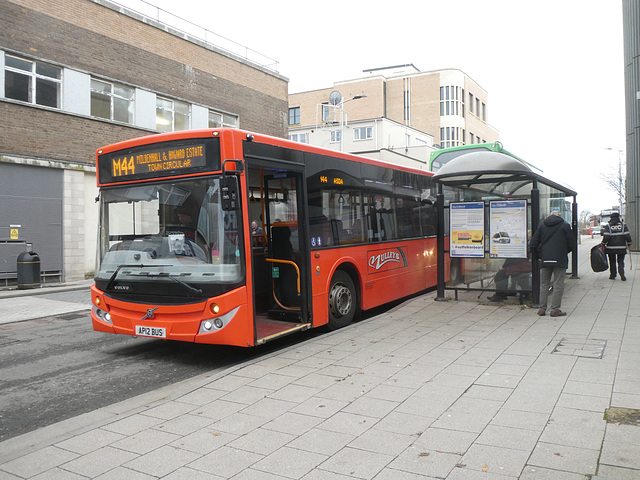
[[553, 70]]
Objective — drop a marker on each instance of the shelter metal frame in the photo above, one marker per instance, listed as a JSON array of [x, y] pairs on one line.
[[488, 173]]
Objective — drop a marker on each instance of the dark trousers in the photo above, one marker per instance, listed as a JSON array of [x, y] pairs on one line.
[[616, 259]]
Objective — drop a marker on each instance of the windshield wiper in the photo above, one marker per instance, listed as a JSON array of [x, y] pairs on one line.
[[135, 265], [197, 291]]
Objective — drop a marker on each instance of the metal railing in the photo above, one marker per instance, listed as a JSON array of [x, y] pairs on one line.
[[188, 28]]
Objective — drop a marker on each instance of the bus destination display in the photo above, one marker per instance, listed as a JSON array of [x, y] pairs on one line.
[[159, 161]]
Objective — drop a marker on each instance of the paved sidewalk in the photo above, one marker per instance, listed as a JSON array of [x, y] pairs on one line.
[[52, 299], [430, 390]]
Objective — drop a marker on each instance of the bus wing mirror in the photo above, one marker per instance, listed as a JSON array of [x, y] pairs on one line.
[[229, 189]]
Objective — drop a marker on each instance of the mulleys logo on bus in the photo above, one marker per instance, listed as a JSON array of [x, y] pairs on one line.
[[377, 261]]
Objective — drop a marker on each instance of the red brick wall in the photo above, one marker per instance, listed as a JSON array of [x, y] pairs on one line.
[[86, 36]]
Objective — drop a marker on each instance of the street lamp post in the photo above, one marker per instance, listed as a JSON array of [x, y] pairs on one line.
[[341, 105]]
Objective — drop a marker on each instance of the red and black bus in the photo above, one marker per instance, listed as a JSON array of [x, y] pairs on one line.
[[177, 257]]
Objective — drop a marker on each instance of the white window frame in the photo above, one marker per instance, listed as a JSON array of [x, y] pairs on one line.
[[299, 137], [222, 120], [362, 133], [169, 107], [336, 135], [115, 96], [33, 77]]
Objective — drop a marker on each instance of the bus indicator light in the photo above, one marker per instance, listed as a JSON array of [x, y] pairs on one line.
[[215, 308]]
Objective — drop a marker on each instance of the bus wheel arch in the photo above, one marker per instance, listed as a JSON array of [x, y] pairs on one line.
[[344, 298]]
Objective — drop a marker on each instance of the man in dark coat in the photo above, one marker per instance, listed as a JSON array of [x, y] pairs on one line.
[[616, 238], [551, 243]]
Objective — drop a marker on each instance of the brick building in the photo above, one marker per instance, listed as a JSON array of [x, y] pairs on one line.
[[408, 112], [81, 74]]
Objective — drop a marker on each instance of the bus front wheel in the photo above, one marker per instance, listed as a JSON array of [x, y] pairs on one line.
[[342, 300]]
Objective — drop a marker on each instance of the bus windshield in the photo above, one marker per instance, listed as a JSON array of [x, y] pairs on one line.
[[176, 232]]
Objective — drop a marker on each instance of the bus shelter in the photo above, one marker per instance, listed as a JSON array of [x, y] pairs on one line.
[[489, 205]]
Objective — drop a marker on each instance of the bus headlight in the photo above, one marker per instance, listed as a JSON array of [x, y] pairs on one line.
[[102, 315], [218, 323]]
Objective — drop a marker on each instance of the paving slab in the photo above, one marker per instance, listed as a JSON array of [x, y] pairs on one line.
[[455, 390]]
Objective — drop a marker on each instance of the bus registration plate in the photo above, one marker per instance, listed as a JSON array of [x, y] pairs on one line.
[[155, 332]]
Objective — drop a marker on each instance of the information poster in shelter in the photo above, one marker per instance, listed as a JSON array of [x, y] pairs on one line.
[[466, 229], [508, 229]]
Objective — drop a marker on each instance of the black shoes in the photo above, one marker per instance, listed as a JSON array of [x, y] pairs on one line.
[[497, 298], [612, 277], [622, 277]]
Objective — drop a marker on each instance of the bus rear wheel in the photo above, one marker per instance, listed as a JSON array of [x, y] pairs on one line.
[[342, 300]]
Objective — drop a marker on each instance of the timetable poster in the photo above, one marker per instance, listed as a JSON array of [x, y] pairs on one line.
[[466, 229], [508, 229]]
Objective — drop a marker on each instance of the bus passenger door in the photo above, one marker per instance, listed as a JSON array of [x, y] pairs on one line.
[[281, 284]]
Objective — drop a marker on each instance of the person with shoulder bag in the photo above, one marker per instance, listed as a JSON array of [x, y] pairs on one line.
[[616, 238], [551, 243]]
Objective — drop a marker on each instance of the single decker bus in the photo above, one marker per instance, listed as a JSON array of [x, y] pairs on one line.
[[179, 256]]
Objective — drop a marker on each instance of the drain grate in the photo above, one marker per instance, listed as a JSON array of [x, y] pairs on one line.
[[580, 347], [624, 416]]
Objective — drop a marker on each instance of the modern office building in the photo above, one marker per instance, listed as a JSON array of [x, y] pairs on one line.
[[407, 111], [81, 74], [631, 32]]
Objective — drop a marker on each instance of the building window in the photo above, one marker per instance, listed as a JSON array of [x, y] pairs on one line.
[[484, 112], [407, 100], [362, 133], [112, 101], [336, 136], [294, 116], [325, 112], [299, 137], [220, 120], [450, 100], [32, 82], [477, 106], [171, 115], [470, 102]]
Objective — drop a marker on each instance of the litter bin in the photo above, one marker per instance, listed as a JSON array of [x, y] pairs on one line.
[[28, 270]]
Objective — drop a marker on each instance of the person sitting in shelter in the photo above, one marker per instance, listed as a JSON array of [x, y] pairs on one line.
[[512, 268]]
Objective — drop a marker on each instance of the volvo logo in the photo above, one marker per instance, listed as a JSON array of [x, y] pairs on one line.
[[149, 313]]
